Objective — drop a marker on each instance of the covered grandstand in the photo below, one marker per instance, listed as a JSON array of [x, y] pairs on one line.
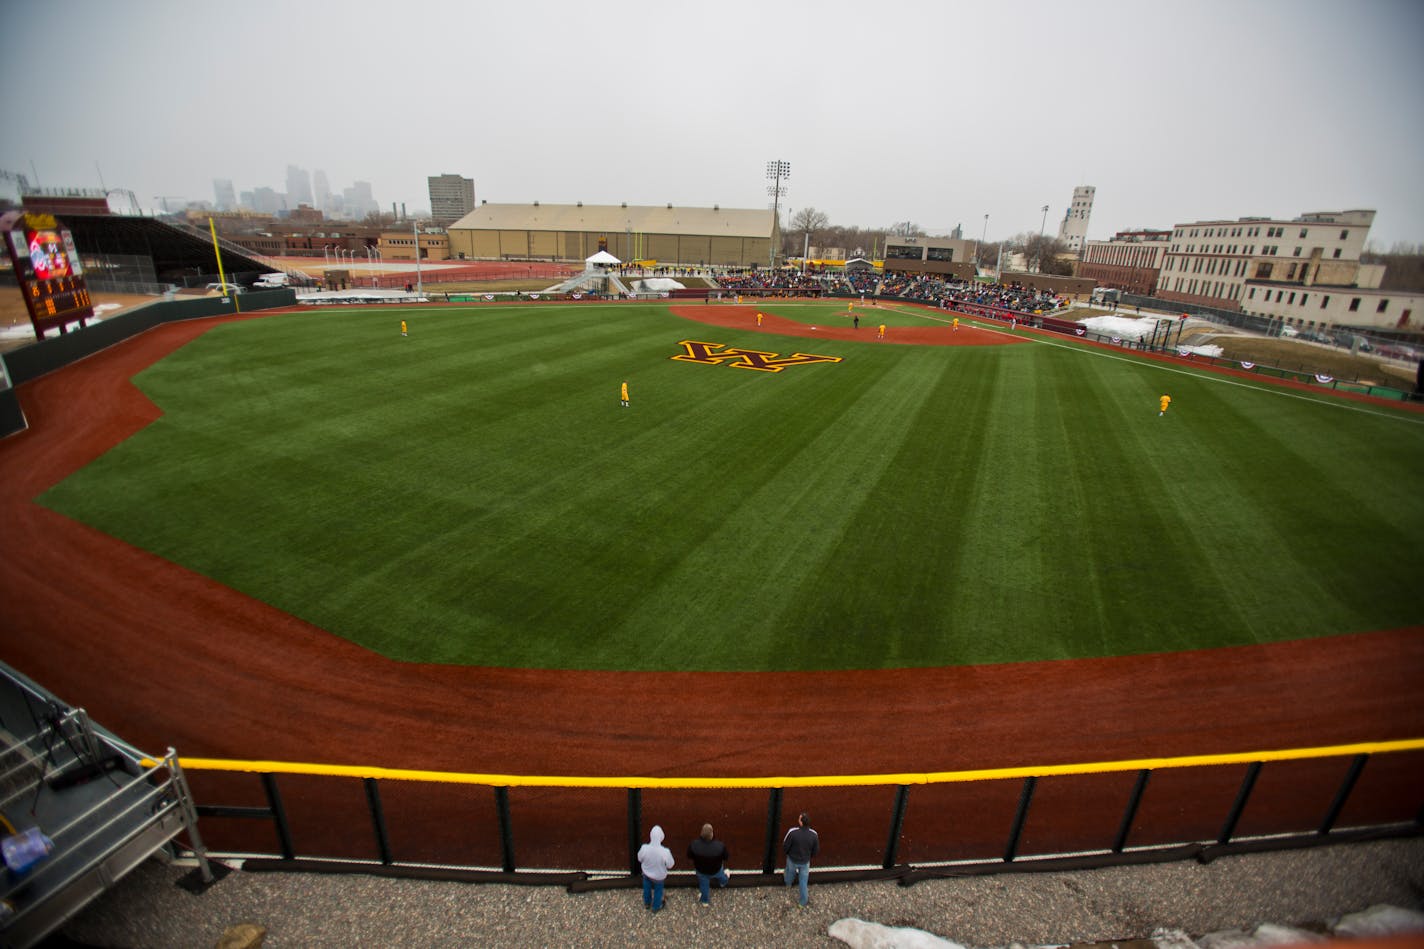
[[715, 236], [142, 254]]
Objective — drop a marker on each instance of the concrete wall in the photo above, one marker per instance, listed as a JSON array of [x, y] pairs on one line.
[[580, 245]]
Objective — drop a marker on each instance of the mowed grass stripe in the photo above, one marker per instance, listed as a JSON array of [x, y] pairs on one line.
[[475, 494]]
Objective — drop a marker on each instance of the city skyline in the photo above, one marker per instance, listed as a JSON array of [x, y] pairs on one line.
[[938, 114]]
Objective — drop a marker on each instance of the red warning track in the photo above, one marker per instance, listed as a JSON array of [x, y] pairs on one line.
[[166, 657]]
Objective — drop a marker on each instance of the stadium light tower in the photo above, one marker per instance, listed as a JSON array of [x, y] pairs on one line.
[[982, 237], [775, 171]]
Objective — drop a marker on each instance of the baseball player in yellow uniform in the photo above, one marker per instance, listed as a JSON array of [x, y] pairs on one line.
[[881, 333], [1165, 401], [623, 394], [758, 318], [403, 332]]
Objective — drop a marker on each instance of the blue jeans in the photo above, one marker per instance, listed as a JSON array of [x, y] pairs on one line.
[[799, 872], [653, 894], [704, 883]]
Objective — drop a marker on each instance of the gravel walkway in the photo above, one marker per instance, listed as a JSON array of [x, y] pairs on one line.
[[1300, 888]]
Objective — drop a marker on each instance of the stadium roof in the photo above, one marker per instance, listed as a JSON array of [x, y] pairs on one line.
[[175, 252], [615, 219]]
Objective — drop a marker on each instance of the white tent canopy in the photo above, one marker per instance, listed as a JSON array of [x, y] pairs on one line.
[[601, 259]]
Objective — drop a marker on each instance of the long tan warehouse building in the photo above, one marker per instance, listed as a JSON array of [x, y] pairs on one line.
[[670, 235]]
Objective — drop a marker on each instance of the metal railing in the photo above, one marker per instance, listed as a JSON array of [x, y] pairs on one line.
[[93, 809], [1401, 814]]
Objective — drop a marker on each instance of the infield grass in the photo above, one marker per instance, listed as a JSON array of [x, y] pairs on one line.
[[475, 494]]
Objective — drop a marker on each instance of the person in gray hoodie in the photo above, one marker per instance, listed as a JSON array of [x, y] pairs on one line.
[[656, 861]]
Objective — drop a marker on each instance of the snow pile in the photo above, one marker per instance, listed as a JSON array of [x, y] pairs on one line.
[[656, 285], [1136, 330], [1124, 327], [26, 331], [1380, 920], [859, 934]]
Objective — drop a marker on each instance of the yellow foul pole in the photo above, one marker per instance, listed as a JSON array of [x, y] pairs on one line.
[[212, 229]]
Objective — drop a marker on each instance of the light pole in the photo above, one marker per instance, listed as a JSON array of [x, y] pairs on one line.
[[415, 232], [371, 266], [1038, 257], [982, 237], [326, 256], [775, 171]]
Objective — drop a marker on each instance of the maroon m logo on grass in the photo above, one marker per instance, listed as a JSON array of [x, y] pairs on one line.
[[713, 354]]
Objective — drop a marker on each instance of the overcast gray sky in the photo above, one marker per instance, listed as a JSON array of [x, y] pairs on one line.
[[936, 112]]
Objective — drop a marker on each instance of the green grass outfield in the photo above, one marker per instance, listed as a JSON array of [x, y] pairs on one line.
[[475, 494]]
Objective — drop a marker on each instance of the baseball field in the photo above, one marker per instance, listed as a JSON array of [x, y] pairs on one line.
[[798, 550], [474, 493]]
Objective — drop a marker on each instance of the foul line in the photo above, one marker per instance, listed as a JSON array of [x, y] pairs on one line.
[[1204, 374]]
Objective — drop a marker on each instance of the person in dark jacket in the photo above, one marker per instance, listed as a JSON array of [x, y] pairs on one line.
[[709, 858], [801, 844]]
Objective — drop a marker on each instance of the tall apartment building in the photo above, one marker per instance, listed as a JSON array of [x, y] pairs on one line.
[[1074, 229], [321, 190], [357, 201], [224, 198], [1211, 262], [451, 198], [1131, 261], [299, 189]]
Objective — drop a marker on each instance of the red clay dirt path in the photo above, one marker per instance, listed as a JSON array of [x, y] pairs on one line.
[[743, 317], [166, 657]]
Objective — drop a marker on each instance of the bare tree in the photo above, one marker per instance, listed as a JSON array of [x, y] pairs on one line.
[[1404, 266], [906, 229], [809, 223], [1043, 251], [986, 255]]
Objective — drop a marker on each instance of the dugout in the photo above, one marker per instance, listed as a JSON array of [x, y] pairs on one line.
[[673, 236]]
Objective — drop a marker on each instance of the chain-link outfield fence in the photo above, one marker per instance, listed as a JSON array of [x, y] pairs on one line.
[[584, 832]]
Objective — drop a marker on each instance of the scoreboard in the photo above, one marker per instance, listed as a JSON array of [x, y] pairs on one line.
[[48, 271]]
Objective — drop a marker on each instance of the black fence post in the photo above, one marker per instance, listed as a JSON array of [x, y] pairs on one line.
[[897, 822], [1342, 795], [279, 815], [506, 829], [1025, 796], [773, 823], [1129, 815], [378, 819], [635, 832], [1242, 795]]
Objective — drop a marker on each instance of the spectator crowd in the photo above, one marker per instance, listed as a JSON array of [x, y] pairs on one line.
[[920, 288]]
